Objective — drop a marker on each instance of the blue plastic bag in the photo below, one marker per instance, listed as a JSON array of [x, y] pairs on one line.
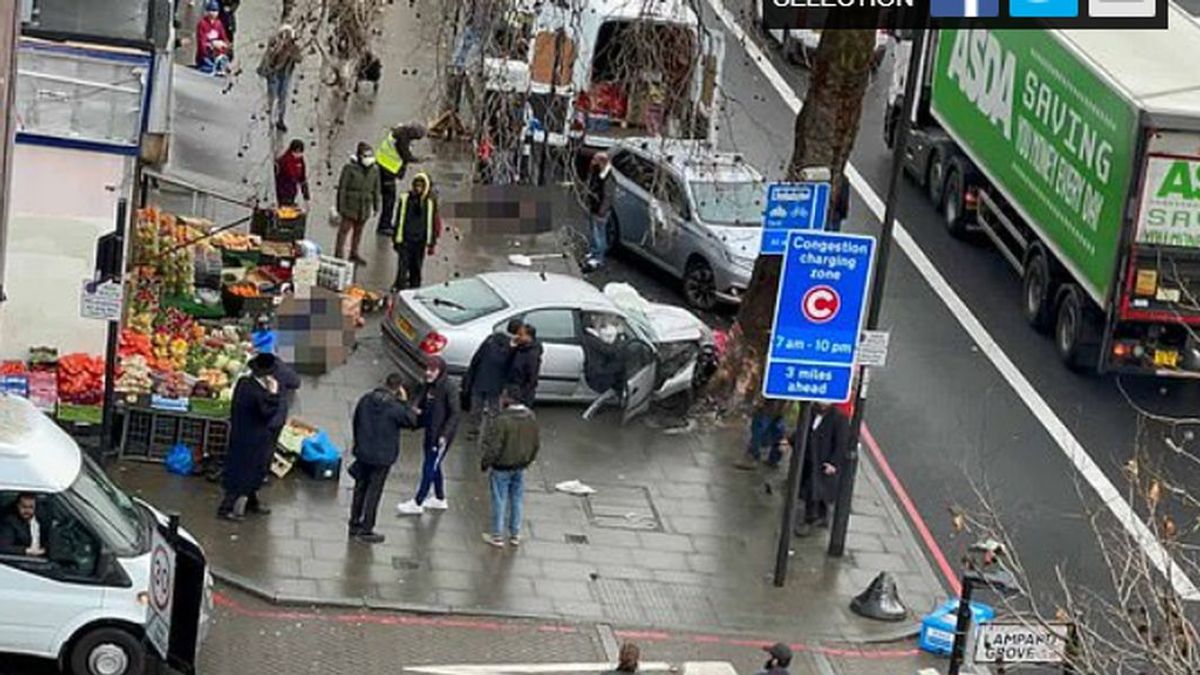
[[320, 449], [179, 460]]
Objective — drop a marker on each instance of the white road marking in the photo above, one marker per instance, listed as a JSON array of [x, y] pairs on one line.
[[1050, 421]]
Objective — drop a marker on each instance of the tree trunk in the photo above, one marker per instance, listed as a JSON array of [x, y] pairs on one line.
[[825, 131]]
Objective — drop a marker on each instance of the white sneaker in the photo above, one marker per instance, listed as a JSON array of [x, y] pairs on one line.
[[435, 504], [409, 508]]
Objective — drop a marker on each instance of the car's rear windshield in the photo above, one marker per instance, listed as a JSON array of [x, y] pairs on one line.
[[459, 301], [722, 203]]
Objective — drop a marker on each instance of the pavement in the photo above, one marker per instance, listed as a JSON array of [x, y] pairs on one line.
[[674, 539]]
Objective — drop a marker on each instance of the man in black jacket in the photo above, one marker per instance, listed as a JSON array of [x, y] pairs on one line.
[[437, 407], [21, 532], [485, 377], [823, 459], [378, 419], [599, 202], [526, 364]]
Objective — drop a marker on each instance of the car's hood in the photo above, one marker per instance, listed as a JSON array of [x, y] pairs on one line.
[[666, 323], [742, 241]]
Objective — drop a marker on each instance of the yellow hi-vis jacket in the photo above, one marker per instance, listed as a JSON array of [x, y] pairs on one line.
[[430, 206], [387, 156]]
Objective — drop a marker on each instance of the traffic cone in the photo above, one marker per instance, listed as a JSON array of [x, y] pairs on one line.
[[880, 601]]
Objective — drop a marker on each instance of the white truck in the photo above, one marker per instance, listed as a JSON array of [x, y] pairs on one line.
[[1077, 153], [626, 68]]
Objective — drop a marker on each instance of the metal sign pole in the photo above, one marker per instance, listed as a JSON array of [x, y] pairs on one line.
[[845, 493], [114, 336], [9, 33], [792, 493]]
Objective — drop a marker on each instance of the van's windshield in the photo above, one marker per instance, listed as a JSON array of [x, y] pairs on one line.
[[114, 517]]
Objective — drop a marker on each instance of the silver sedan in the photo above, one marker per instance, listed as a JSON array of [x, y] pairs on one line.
[[662, 347]]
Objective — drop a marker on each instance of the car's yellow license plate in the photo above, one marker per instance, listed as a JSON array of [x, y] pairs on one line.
[[1168, 358], [406, 328]]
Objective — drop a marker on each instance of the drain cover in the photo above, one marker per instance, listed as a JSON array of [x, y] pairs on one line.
[[623, 507], [576, 538], [405, 564]]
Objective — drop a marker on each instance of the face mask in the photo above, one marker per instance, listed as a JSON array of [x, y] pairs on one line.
[[368, 160]]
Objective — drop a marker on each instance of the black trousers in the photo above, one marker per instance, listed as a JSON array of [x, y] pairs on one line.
[[230, 499], [367, 490], [411, 258], [387, 204]]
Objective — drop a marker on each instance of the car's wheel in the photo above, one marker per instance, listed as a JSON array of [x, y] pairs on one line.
[[953, 208], [1037, 299], [935, 177], [700, 285], [108, 651]]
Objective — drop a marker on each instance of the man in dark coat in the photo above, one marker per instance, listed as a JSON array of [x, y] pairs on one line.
[[21, 531], [256, 401], [526, 365], [603, 363], [485, 377], [437, 407], [599, 204], [378, 419], [827, 437]]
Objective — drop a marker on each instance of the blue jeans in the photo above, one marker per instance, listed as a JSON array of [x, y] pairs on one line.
[[508, 488], [467, 42], [599, 242], [431, 472], [277, 94], [766, 430]]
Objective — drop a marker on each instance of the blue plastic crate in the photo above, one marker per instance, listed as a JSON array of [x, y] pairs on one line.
[[937, 628]]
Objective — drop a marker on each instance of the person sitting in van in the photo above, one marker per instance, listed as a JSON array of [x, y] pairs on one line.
[[21, 531]]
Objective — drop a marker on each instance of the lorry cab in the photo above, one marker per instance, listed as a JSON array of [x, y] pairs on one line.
[[620, 68], [89, 576]]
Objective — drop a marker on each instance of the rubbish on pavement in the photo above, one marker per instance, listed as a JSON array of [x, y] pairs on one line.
[[574, 487], [937, 628], [179, 460], [880, 601]]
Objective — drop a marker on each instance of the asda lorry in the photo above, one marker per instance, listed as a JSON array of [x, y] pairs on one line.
[[1077, 152]]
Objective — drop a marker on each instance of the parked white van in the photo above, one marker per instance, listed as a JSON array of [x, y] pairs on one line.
[[99, 581], [626, 68]]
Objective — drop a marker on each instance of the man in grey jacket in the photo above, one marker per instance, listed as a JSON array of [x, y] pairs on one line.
[[511, 445]]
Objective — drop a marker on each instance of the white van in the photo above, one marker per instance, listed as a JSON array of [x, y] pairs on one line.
[[88, 576], [637, 52]]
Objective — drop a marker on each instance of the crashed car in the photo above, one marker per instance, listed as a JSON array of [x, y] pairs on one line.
[[664, 350]]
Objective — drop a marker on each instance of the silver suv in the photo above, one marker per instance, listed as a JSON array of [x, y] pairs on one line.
[[694, 212]]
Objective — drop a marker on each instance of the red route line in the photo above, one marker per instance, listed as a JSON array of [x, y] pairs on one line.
[[910, 508], [380, 619]]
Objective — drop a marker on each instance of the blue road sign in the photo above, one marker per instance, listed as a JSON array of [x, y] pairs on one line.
[[818, 316], [792, 206]]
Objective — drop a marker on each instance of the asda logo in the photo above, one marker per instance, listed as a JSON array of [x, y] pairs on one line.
[[985, 71], [1180, 182]]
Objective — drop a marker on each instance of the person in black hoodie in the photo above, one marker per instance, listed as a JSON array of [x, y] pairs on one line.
[[437, 407], [485, 377], [378, 419], [526, 364]]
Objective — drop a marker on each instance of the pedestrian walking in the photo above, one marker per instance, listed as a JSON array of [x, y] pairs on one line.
[[357, 199], [418, 226], [279, 61], [256, 401], [599, 203], [291, 176], [526, 364], [394, 154], [778, 660], [486, 375], [510, 446], [767, 430], [823, 459], [627, 659], [378, 418], [437, 408]]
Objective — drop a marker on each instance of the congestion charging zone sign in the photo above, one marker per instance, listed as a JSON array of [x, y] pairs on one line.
[[819, 313]]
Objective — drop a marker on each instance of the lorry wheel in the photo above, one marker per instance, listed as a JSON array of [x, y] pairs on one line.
[[1077, 331], [699, 285], [1037, 298], [935, 177], [953, 208], [108, 651]]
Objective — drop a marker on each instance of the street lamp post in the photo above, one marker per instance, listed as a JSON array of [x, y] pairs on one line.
[[845, 494]]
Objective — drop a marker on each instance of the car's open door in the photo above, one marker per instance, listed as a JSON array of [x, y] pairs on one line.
[[641, 369]]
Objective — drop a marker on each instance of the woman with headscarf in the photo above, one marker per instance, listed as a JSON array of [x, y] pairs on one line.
[[256, 402], [212, 41], [437, 410]]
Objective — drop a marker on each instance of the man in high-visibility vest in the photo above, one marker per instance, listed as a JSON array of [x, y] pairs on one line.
[[417, 228], [393, 155]]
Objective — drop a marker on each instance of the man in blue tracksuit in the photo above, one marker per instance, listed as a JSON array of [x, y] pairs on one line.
[[437, 408]]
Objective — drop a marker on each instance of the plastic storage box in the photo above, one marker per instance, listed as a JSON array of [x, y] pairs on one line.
[[937, 628]]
